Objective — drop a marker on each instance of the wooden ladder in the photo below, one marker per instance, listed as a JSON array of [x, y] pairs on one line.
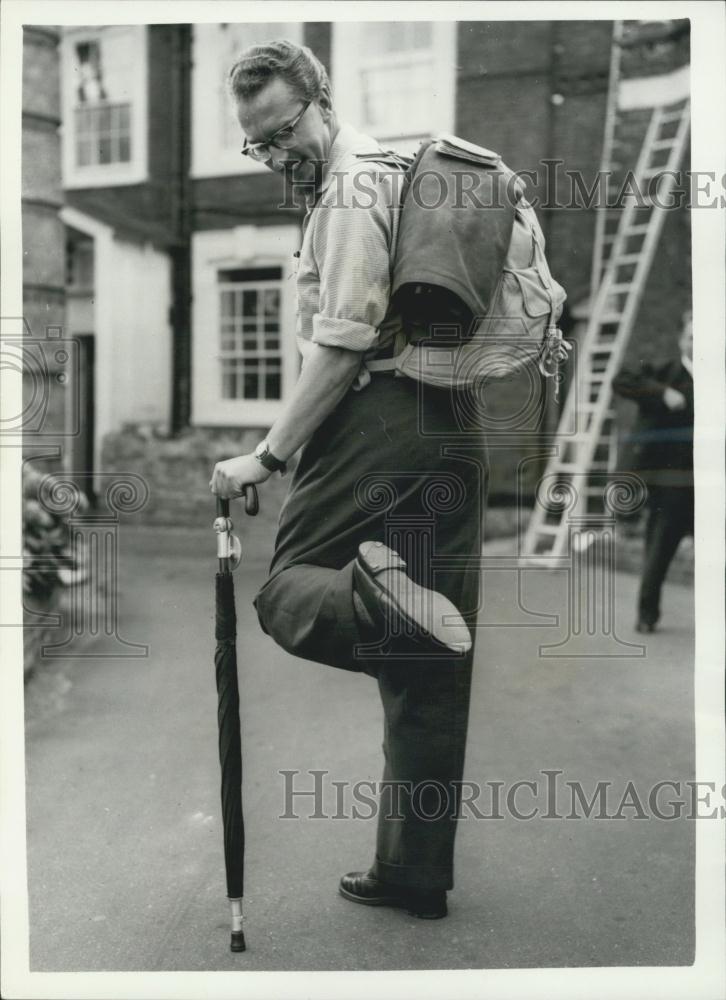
[[626, 238]]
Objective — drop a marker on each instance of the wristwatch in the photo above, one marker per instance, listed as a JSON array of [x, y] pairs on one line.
[[266, 459]]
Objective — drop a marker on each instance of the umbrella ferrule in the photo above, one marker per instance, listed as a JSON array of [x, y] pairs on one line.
[[237, 916]]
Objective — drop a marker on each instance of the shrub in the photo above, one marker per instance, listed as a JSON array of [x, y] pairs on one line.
[[48, 559]]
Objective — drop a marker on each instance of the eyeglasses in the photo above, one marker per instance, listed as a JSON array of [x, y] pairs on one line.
[[284, 138]]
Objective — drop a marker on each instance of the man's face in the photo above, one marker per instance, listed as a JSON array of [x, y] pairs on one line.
[[685, 342], [274, 107]]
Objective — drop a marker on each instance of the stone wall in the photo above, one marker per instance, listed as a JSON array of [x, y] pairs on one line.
[[177, 472]]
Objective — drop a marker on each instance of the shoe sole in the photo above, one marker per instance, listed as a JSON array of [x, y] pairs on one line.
[[396, 902], [376, 598], [375, 901]]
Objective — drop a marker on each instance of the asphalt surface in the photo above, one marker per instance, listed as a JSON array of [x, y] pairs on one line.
[[124, 834]]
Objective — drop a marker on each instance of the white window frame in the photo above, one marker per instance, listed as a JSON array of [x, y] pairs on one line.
[[347, 96], [209, 157], [106, 174], [242, 247], [261, 353]]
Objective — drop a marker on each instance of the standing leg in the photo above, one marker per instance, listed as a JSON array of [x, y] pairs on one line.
[[426, 714], [667, 524]]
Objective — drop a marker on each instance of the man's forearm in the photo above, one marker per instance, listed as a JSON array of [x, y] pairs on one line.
[[642, 387], [325, 378]]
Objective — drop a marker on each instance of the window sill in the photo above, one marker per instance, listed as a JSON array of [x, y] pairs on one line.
[[113, 175], [238, 413]]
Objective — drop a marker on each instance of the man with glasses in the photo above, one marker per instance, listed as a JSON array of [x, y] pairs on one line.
[[352, 581], [283, 138]]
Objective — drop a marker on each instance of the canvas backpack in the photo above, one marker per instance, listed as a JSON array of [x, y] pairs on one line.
[[518, 326]]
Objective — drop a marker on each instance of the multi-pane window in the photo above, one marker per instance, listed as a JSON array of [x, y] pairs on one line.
[[395, 80], [103, 134], [102, 127], [105, 123], [396, 77], [250, 348]]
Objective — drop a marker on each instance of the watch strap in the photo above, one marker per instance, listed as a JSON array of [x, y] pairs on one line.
[[269, 461]]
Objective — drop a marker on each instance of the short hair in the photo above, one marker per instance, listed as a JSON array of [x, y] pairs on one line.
[[259, 65]]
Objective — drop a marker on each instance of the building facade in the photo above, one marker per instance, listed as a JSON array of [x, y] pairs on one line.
[[45, 369], [180, 258]]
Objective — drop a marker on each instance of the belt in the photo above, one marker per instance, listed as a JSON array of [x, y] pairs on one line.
[[377, 365]]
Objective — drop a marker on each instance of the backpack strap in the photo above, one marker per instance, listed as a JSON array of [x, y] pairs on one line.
[[403, 163], [389, 157]]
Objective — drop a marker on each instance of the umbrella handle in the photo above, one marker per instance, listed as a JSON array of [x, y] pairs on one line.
[[228, 546], [252, 502]]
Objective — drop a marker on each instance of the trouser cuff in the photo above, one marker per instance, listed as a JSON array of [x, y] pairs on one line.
[[414, 876]]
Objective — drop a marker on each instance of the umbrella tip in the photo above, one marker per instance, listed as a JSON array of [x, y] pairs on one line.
[[237, 942]]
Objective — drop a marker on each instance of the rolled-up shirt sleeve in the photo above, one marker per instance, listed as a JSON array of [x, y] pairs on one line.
[[353, 243]]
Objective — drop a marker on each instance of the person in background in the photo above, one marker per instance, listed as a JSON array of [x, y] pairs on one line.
[[663, 455]]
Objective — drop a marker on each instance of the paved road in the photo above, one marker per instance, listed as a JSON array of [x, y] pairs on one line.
[[125, 861]]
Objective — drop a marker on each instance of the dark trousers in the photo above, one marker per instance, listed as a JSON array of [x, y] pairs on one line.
[[390, 464], [670, 518]]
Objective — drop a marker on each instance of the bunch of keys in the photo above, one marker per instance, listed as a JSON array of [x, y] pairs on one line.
[[555, 353]]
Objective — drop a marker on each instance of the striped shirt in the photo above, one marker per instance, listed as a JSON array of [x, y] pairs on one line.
[[345, 264]]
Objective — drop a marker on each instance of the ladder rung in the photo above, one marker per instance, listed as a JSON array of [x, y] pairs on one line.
[[568, 467], [674, 116], [627, 258], [639, 200], [548, 529], [624, 286], [663, 143], [637, 230], [611, 317]]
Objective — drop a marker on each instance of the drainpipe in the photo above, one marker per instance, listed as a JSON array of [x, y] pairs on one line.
[[181, 213]]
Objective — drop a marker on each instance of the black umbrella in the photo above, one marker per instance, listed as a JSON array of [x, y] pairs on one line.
[[230, 743]]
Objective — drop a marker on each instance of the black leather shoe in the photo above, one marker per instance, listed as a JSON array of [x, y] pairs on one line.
[[365, 888], [390, 595]]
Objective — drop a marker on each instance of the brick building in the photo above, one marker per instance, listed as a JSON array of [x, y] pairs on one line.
[[44, 298], [180, 260]]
